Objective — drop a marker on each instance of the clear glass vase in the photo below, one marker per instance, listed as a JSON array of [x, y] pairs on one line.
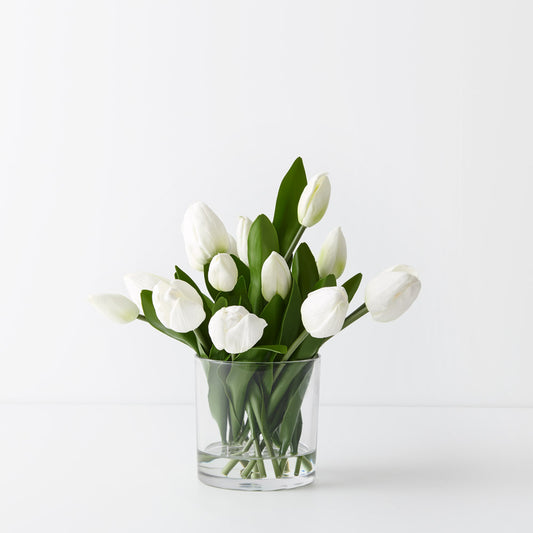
[[257, 423]]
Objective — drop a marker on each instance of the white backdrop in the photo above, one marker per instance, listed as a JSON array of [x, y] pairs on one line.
[[115, 116]]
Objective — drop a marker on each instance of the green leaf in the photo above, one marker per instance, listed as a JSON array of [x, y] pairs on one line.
[[188, 338], [328, 281], [259, 354], [352, 285], [273, 314], [291, 325], [257, 403], [220, 302], [243, 269], [237, 383], [304, 269], [292, 411], [277, 348], [295, 440], [286, 212], [262, 241], [308, 348], [239, 294], [286, 383], [216, 397]]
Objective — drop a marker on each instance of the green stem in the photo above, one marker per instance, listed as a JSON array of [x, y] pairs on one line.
[[295, 344], [294, 243], [142, 318], [258, 422], [298, 466], [303, 335], [352, 317], [231, 464], [202, 341], [260, 463], [248, 470]]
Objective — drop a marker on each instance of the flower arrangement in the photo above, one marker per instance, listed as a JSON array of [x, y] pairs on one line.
[[267, 300]]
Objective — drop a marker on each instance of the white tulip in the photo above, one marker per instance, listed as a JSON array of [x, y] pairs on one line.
[[232, 247], [332, 256], [204, 234], [115, 307], [235, 330], [243, 230], [178, 306], [223, 273], [140, 281], [314, 200], [392, 292], [324, 311], [275, 277]]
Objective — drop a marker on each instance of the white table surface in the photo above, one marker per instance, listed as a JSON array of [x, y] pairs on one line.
[[131, 468]]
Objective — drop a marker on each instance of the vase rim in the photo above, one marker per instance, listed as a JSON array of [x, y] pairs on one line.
[[229, 362]]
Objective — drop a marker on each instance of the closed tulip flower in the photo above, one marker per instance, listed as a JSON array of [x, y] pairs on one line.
[[140, 281], [223, 273], [324, 311], [178, 306], [115, 307], [204, 234], [392, 292], [275, 277], [332, 256], [235, 329], [314, 200], [243, 230]]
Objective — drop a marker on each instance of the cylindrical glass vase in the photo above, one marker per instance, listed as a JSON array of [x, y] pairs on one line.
[[256, 423]]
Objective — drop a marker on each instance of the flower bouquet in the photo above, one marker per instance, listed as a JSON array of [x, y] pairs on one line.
[[267, 309]]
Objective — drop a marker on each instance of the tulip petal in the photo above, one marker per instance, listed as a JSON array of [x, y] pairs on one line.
[[324, 310], [140, 281], [391, 293], [116, 307], [178, 306]]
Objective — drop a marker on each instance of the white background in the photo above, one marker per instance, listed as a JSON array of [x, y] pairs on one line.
[[115, 116]]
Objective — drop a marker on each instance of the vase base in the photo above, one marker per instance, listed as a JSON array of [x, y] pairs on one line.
[[230, 483]]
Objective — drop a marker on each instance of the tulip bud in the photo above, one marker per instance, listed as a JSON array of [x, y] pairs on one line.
[[243, 230], [275, 277], [140, 281], [314, 200], [204, 235], [178, 306], [223, 273], [235, 330], [332, 256], [324, 311], [392, 292], [115, 307]]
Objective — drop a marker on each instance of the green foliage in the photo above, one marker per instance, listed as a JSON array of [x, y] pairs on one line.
[[328, 281], [262, 241], [286, 211], [217, 397], [292, 412], [243, 269], [304, 270], [352, 285], [291, 325]]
